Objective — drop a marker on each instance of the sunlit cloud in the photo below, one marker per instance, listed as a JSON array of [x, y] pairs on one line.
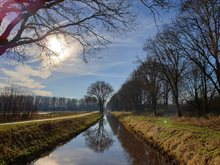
[[60, 49], [22, 79], [42, 93], [29, 71], [77, 67], [25, 76]]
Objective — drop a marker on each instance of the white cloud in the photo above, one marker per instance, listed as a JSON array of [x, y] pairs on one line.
[[77, 67], [42, 93], [25, 76], [20, 77], [28, 71]]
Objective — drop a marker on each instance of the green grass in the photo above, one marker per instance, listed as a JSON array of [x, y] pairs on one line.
[[189, 140], [25, 142]]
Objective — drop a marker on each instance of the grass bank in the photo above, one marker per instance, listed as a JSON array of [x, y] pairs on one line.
[[193, 141], [25, 142]]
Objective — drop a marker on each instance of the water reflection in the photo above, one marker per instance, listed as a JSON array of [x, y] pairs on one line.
[[99, 138], [107, 142], [139, 154], [47, 161]]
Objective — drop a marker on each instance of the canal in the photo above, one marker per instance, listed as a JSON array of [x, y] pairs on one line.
[[108, 143]]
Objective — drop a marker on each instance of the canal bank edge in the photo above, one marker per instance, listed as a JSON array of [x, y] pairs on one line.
[[25, 143], [175, 145]]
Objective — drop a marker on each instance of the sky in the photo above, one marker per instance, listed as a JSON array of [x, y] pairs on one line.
[[72, 76]]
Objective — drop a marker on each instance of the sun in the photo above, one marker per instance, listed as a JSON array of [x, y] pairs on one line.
[[59, 47], [56, 45]]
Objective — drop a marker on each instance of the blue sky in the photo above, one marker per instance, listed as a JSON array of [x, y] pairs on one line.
[[72, 77]]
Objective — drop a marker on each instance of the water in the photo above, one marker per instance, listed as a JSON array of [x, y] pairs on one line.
[[107, 143]]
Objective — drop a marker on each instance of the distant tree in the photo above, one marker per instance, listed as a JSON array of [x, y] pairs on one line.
[[131, 95], [101, 91], [16, 101], [115, 102], [53, 103], [62, 103], [149, 72], [89, 99], [199, 89], [37, 102]]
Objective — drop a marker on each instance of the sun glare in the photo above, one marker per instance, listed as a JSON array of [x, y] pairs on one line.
[[56, 45], [63, 49], [60, 48]]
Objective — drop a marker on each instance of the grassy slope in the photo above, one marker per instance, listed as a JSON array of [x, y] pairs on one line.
[[25, 142], [189, 140]]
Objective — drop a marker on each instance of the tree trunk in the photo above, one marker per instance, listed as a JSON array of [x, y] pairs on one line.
[[101, 107], [218, 73], [178, 109], [154, 106], [176, 100]]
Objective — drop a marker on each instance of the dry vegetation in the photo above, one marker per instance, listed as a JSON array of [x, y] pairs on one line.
[[189, 140], [25, 142]]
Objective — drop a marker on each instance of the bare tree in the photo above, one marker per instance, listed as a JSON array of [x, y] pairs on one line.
[[188, 55], [132, 93], [101, 91], [122, 100], [198, 27], [156, 5], [115, 103], [199, 89], [149, 71], [166, 51], [130, 96], [25, 22], [16, 101]]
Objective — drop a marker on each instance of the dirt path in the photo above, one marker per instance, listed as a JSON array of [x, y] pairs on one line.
[[51, 119]]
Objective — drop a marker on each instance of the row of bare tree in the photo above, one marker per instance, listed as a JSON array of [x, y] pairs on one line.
[[182, 65], [45, 103], [16, 101]]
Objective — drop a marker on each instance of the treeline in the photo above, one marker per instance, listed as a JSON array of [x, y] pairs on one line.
[[182, 66], [17, 100], [45, 103]]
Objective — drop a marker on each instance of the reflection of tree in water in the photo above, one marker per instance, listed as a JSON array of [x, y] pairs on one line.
[[98, 138], [139, 154]]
